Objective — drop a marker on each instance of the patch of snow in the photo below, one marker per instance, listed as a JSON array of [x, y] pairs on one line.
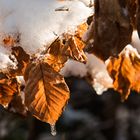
[[101, 80], [39, 22], [74, 68], [21, 80], [129, 49], [5, 61]]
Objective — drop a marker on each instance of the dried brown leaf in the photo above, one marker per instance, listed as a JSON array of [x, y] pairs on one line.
[[9, 87], [70, 46], [46, 92], [112, 28], [9, 41], [75, 46], [57, 55], [125, 71], [81, 29]]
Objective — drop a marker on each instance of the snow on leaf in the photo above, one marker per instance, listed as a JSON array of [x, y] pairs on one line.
[[9, 87], [97, 74], [46, 92], [44, 24], [69, 46], [125, 71]]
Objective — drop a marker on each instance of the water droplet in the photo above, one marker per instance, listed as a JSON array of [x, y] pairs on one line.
[[53, 130]]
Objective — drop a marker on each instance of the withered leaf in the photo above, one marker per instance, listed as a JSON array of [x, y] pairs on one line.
[[22, 59], [76, 43], [75, 47], [125, 71], [9, 41], [81, 29], [46, 92], [57, 55], [28, 69], [9, 87], [70, 46], [112, 28]]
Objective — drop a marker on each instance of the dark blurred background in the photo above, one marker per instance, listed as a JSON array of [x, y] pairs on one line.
[[87, 117]]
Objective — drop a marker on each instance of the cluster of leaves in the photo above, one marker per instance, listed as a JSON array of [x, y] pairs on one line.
[[45, 90], [113, 25]]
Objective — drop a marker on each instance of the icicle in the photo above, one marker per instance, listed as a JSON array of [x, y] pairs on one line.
[[53, 129]]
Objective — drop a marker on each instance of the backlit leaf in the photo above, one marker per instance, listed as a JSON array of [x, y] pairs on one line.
[[69, 46], [46, 92], [125, 71], [57, 55], [9, 87]]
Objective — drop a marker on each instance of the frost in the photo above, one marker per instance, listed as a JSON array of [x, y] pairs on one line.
[[39, 22]]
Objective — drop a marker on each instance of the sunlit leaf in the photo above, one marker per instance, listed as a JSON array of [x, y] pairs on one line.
[[46, 92], [9, 87], [125, 71]]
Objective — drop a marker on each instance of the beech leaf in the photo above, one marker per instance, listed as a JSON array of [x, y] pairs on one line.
[[76, 47], [46, 92], [125, 71], [9, 87], [57, 55], [69, 46]]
